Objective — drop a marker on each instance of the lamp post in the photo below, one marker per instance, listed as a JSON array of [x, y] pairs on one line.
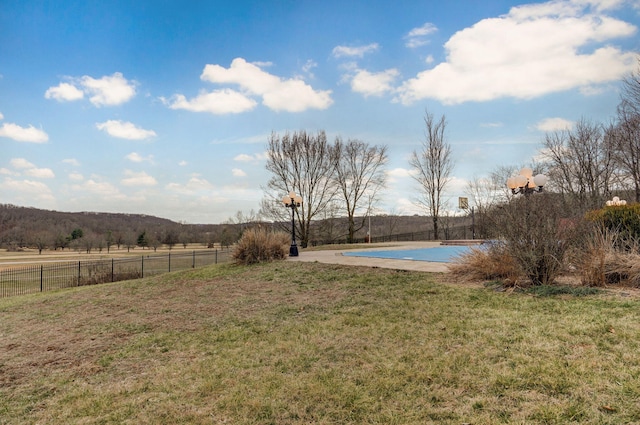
[[292, 201], [525, 183], [616, 202]]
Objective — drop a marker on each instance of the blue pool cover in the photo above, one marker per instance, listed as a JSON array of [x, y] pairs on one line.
[[440, 254]]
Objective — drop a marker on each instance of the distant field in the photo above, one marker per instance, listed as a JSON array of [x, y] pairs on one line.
[[298, 343], [30, 256]]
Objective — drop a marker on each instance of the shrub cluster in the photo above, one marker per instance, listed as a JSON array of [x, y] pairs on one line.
[[538, 243], [537, 235], [259, 245], [486, 263], [610, 258], [622, 219]]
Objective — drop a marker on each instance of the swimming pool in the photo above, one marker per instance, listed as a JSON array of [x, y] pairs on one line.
[[438, 254]]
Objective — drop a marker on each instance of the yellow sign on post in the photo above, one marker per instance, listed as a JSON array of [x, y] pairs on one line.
[[463, 203]]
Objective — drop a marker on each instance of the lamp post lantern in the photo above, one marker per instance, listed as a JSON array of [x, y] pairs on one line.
[[525, 182], [616, 202], [292, 201]]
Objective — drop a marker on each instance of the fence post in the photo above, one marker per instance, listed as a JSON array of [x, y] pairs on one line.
[[112, 275], [193, 264], [79, 273], [142, 268], [216, 256], [169, 261], [41, 280]]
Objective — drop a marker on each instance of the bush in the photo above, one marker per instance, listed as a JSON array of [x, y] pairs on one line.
[[534, 233], [537, 235], [486, 263], [622, 219], [606, 260], [259, 245]]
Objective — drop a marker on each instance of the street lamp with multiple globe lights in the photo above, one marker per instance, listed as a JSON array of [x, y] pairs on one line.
[[526, 183], [292, 201], [616, 202]]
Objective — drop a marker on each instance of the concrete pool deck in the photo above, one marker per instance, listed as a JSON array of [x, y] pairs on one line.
[[336, 257]]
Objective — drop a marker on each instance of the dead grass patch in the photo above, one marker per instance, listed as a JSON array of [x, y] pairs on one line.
[[297, 343], [486, 264]]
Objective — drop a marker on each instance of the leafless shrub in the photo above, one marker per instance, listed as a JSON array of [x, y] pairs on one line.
[[605, 263], [486, 263], [259, 245], [537, 234]]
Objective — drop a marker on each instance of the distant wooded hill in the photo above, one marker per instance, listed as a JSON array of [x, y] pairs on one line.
[[32, 227], [23, 226]]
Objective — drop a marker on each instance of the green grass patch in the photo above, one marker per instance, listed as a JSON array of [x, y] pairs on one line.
[[299, 343], [555, 290]]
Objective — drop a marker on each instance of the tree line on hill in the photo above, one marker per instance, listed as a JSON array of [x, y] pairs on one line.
[[24, 227]]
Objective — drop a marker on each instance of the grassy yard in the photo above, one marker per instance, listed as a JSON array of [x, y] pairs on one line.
[[300, 343]]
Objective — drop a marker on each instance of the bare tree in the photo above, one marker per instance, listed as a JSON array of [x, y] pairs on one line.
[[302, 163], [359, 175], [433, 166], [484, 194], [327, 227], [624, 138], [624, 135], [631, 91], [580, 163]]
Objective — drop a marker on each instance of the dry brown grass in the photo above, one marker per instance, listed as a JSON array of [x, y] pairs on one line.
[[486, 264], [298, 343], [258, 245], [606, 261]]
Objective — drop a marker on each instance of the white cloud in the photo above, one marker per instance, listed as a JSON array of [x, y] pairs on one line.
[[41, 173], [76, 176], [21, 163], [109, 90], [64, 92], [136, 157], [138, 179], [292, 95], [125, 130], [373, 84], [359, 51], [30, 169], [183, 163], [194, 186], [308, 66], [1, 116], [7, 172], [554, 124], [217, 102], [21, 134], [418, 36], [96, 187], [238, 173], [397, 174], [71, 161], [27, 190], [243, 157], [533, 50]]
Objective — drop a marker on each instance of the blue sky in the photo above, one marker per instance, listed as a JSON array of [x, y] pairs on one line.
[[165, 107]]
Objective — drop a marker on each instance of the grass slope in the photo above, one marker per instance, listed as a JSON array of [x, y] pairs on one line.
[[298, 343]]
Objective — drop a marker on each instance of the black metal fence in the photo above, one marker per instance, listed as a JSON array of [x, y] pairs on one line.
[[446, 233], [45, 277]]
